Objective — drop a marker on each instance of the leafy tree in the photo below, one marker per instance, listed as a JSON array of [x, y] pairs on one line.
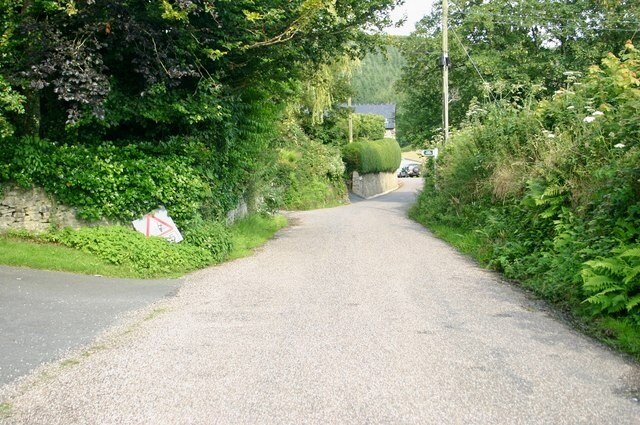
[[516, 48], [94, 51], [206, 78]]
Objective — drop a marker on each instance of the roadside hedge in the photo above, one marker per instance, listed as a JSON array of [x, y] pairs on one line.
[[106, 181], [308, 174], [379, 156], [549, 194]]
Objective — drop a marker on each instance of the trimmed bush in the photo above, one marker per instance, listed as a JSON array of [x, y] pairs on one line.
[[380, 156]]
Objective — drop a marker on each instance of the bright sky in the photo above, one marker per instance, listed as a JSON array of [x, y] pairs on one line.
[[413, 10]]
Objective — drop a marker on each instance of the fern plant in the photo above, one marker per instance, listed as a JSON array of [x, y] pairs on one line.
[[614, 283]]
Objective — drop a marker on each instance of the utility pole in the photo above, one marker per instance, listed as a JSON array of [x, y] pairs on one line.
[[445, 62], [350, 121]]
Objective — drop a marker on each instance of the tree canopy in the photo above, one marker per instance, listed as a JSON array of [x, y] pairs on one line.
[[506, 49], [137, 64], [194, 87]]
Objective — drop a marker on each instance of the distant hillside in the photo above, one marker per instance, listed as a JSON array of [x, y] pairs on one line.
[[374, 81]]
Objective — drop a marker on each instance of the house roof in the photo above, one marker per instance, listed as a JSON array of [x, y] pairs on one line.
[[387, 110]]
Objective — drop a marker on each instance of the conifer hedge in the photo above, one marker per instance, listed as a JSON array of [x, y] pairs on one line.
[[366, 157]]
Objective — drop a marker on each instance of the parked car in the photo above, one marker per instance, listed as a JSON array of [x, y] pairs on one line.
[[413, 170]]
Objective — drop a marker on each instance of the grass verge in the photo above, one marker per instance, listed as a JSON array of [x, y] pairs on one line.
[[22, 253], [251, 232], [5, 410], [26, 251], [467, 241]]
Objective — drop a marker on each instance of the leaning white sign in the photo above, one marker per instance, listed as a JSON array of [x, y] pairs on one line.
[[158, 223]]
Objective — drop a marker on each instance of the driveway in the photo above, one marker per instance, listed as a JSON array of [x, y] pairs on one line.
[[353, 315], [45, 314]]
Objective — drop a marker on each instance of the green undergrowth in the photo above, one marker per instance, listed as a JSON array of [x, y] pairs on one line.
[[252, 232], [36, 255], [547, 192], [118, 251], [466, 241], [308, 174]]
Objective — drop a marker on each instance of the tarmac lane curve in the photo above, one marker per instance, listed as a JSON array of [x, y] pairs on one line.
[[352, 315]]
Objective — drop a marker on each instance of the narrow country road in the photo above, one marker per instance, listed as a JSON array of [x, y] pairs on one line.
[[353, 315]]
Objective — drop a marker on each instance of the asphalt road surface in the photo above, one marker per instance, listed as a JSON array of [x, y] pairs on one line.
[[45, 314], [353, 315]]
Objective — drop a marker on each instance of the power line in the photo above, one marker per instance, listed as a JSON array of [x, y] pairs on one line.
[[550, 18], [473, 63], [511, 20], [605, 29]]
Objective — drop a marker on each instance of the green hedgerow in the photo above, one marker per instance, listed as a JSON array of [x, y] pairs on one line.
[[106, 181], [372, 157], [552, 189]]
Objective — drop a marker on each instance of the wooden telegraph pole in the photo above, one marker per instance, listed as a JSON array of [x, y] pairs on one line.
[[444, 62], [350, 121]]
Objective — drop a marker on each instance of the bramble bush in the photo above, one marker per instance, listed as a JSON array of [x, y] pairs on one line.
[[552, 189]]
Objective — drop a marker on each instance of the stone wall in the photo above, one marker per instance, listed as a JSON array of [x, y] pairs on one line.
[[33, 209], [371, 185], [239, 212]]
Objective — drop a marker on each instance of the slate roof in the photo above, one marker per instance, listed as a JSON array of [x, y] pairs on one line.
[[388, 111]]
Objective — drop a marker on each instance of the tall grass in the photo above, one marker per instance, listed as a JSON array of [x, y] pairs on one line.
[[252, 232]]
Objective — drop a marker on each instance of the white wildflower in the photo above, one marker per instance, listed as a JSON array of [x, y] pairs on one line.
[[598, 114], [619, 145], [589, 119], [571, 107]]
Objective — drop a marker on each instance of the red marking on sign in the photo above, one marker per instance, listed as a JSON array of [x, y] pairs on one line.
[[153, 217]]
